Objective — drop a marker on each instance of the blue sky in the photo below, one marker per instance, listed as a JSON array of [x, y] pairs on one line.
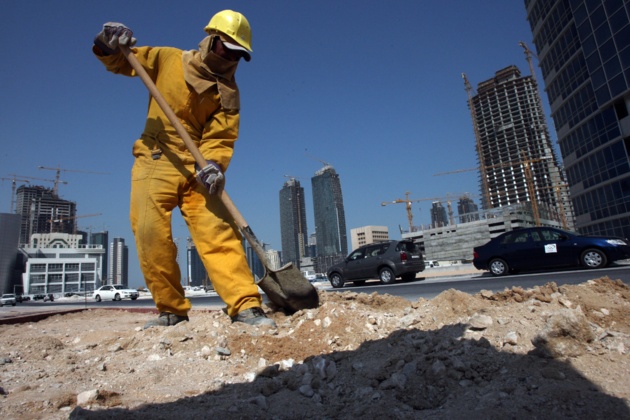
[[372, 87]]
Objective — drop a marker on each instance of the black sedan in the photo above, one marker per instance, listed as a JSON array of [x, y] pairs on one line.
[[545, 247]]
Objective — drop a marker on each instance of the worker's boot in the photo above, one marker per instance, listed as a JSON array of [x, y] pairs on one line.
[[254, 316], [165, 319]]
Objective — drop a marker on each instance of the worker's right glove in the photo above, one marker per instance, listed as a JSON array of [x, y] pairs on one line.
[[112, 35], [211, 177]]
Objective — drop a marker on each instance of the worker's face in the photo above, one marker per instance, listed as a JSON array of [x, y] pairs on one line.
[[222, 51]]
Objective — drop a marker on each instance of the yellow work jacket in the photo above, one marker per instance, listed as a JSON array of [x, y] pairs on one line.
[[213, 128]]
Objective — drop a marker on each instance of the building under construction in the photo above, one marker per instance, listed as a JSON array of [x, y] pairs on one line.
[[517, 163], [42, 211]]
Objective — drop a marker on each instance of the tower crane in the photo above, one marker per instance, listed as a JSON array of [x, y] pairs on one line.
[[317, 159], [14, 180], [54, 181], [62, 218], [58, 174], [407, 202]]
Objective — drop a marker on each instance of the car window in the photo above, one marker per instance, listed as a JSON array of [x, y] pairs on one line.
[[411, 247], [550, 235], [358, 254], [373, 251], [515, 237]]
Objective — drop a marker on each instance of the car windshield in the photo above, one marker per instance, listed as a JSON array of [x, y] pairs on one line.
[[411, 247]]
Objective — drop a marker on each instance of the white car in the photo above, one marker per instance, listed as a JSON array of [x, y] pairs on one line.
[[8, 299], [114, 292]]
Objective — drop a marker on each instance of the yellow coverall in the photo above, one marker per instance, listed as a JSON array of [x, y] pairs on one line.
[[168, 181]]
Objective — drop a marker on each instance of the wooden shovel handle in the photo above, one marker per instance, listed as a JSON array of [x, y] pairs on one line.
[[194, 150]]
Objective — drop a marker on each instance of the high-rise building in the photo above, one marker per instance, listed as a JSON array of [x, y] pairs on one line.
[[467, 210], [330, 218], [42, 211], [102, 239], [367, 235], [9, 232], [438, 215], [118, 262], [584, 56], [517, 162], [293, 229]]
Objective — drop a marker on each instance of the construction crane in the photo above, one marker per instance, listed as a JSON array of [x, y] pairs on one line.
[[317, 159], [54, 181], [407, 202], [14, 180], [58, 174], [63, 218]]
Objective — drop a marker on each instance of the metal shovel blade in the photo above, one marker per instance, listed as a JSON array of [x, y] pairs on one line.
[[285, 287], [288, 289]]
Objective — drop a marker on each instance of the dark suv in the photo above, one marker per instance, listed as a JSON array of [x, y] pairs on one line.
[[385, 261]]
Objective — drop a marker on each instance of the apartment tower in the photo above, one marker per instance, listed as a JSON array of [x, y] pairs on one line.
[[584, 56], [118, 262], [330, 218], [293, 230]]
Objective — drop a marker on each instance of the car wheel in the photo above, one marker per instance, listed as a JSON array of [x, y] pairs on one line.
[[336, 280], [134, 298], [116, 297], [386, 275], [97, 298], [498, 267], [593, 258]]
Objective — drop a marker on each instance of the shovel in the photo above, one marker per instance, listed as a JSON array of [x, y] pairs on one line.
[[286, 287]]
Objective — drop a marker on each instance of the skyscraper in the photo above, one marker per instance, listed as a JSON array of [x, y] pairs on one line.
[[330, 218], [102, 239], [293, 229], [43, 212], [584, 56], [118, 262], [516, 158], [467, 210], [438, 215]]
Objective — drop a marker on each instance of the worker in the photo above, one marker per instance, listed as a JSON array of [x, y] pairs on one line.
[[200, 87]]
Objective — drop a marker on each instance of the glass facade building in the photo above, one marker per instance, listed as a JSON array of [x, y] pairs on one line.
[[329, 215], [293, 229], [584, 55], [118, 262]]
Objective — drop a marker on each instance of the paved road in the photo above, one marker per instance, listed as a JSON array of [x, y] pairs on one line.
[[433, 282]]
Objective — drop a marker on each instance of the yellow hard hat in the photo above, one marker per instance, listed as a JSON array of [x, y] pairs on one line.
[[234, 25]]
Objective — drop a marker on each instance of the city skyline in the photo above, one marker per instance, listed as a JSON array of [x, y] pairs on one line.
[[387, 111]]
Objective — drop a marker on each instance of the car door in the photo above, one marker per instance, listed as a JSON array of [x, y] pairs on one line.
[[371, 262], [355, 264], [516, 249], [553, 248], [106, 292]]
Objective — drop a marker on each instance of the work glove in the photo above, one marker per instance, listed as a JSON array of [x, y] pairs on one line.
[[211, 177], [112, 35]]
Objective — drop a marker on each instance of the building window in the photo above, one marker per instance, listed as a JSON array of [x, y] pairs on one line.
[[55, 268]]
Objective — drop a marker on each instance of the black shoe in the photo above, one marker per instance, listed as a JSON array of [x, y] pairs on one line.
[[254, 316], [165, 319]]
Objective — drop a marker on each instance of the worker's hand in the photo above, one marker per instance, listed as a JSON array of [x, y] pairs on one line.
[[112, 35], [211, 177]]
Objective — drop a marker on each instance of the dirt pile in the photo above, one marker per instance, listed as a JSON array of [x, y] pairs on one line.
[[547, 352]]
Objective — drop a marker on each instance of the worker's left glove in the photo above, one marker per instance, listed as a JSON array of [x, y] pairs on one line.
[[112, 35], [211, 177]]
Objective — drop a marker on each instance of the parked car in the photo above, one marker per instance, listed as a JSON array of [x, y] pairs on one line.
[[8, 299], [385, 261], [115, 292], [546, 247], [39, 297]]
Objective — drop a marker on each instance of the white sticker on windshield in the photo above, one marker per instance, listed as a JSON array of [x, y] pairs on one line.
[[551, 248]]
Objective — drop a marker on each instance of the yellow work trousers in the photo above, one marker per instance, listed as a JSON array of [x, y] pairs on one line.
[[157, 187]]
